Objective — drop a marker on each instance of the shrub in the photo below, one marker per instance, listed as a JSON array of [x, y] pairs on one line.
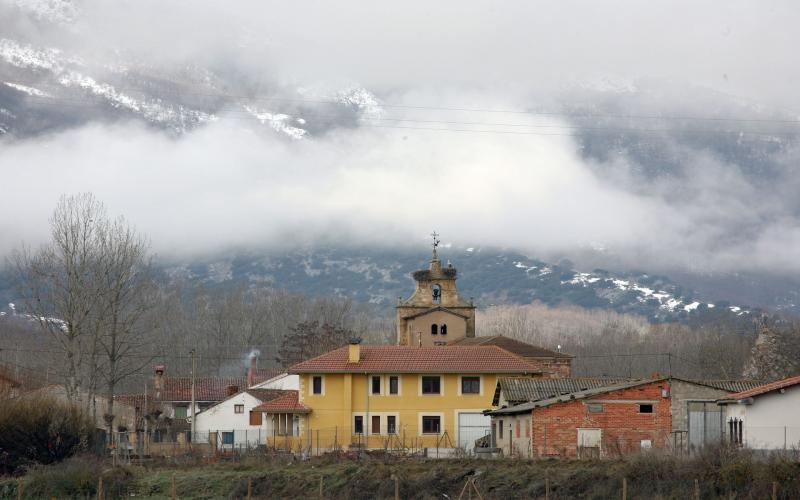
[[76, 477], [40, 431]]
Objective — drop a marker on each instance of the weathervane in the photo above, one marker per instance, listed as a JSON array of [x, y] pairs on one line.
[[435, 239]]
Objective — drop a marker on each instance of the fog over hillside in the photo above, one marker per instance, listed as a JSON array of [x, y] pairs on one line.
[[266, 126]]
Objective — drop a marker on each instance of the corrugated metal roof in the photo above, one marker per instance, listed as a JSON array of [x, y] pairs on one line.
[[727, 385], [518, 390], [572, 396]]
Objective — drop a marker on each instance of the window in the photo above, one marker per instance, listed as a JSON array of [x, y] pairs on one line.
[[394, 385], [227, 438], [527, 428], [470, 385], [645, 408], [238, 408], [376, 424], [431, 424], [181, 411], [317, 384], [436, 292], [434, 329], [519, 434], [358, 424], [376, 384], [500, 429], [391, 424], [443, 329], [594, 408], [431, 385], [255, 417], [735, 428]]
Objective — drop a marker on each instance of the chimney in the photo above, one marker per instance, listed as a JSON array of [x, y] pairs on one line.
[[354, 351], [251, 372], [231, 390], [158, 379]]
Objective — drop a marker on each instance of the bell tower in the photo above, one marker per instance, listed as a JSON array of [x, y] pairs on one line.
[[435, 314]]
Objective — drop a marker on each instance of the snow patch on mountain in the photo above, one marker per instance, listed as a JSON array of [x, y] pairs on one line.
[[362, 99], [29, 57], [667, 301], [278, 121], [27, 90]]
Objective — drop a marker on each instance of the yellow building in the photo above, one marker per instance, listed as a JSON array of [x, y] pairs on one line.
[[429, 391], [401, 396]]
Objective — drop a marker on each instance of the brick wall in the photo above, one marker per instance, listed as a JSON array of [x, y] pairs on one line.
[[623, 427], [553, 367]]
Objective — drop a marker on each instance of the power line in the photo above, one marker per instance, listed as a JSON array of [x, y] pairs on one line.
[[571, 114], [369, 122], [480, 110]]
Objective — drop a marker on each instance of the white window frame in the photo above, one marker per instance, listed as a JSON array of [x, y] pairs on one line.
[[431, 414], [311, 384], [368, 425], [399, 384], [380, 385], [441, 384], [480, 385]]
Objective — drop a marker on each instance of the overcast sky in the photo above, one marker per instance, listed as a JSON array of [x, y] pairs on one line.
[[223, 185]]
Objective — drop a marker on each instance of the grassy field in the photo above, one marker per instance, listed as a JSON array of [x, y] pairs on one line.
[[722, 475]]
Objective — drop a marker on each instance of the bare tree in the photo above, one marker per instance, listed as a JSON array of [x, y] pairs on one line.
[[91, 288], [127, 291], [309, 339], [57, 284]]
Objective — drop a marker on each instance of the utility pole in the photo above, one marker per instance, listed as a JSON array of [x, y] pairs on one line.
[[145, 413], [193, 401]]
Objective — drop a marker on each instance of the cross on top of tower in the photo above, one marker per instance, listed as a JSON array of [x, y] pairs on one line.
[[435, 239]]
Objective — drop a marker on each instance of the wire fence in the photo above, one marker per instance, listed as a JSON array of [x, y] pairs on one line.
[[413, 441]]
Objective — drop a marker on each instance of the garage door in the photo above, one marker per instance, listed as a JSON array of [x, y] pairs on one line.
[[471, 427]]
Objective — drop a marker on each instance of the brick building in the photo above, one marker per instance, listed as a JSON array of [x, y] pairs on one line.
[[604, 421]]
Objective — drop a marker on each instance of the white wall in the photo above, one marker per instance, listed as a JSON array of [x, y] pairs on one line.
[[284, 381], [223, 418], [771, 422]]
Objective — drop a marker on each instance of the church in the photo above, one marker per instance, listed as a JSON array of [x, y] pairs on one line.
[[435, 314], [429, 390]]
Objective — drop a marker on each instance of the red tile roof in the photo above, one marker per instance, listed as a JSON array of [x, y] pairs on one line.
[[405, 359], [206, 388], [289, 402], [511, 345], [763, 389]]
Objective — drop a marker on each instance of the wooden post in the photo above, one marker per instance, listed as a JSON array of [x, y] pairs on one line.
[[396, 479], [174, 488], [20, 489], [546, 488], [624, 488], [100, 492], [774, 490], [320, 488], [249, 488], [696, 489]]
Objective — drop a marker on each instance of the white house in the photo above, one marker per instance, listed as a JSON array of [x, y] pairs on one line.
[[766, 417], [234, 422], [284, 381]]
